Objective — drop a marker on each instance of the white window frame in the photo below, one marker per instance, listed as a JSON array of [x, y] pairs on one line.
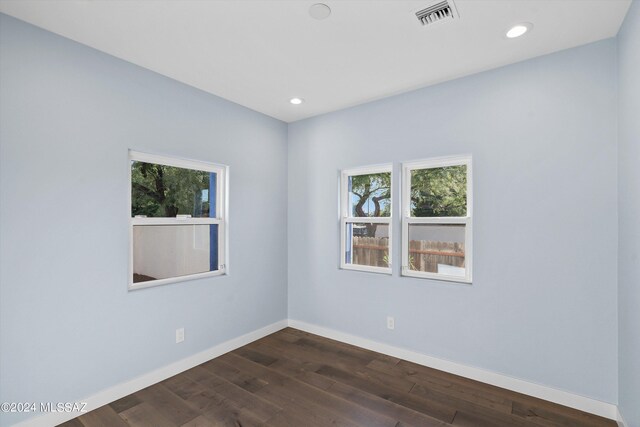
[[346, 218], [407, 219], [220, 219]]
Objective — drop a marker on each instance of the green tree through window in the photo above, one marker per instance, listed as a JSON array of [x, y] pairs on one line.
[[439, 192], [371, 197], [167, 191]]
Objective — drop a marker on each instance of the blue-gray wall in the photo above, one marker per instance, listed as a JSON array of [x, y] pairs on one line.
[[543, 305], [629, 215], [68, 114]]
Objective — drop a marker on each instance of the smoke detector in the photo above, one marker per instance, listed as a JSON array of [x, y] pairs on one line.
[[441, 11]]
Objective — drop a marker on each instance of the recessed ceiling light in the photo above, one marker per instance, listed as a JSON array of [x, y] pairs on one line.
[[519, 30], [319, 11], [296, 101]]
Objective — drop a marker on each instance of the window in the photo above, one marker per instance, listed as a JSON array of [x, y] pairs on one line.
[[436, 219], [365, 203], [178, 220]]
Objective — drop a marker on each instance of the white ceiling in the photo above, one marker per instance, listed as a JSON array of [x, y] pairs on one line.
[[261, 53]]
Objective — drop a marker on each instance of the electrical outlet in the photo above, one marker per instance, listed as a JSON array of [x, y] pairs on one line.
[[179, 335], [391, 322]]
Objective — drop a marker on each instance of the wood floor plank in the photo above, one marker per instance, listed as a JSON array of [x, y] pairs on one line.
[[368, 354], [289, 419], [291, 366], [300, 407], [72, 423], [229, 413], [257, 357], [223, 403], [344, 361], [303, 373], [322, 406], [203, 400], [125, 403], [426, 375], [495, 394], [296, 379], [325, 346], [275, 349], [283, 334], [433, 409], [319, 354], [486, 419], [469, 406], [167, 404], [198, 396], [184, 387], [223, 389], [145, 415], [330, 402], [177, 381], [545, 413], [103, 416], [472, 394], [198, 373], [356, 354], [202, 396], [406, 416], [245, 380], [200, 421], [414, 370]]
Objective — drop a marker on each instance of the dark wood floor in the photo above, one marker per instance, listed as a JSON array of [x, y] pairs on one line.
[[292, 378]]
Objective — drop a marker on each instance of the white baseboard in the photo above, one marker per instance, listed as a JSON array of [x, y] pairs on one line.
[[121, 390], [582, 403], [620, 419]]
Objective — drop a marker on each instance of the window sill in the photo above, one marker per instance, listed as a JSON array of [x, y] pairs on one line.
[[367, 269], [160, 282], [439, 277]]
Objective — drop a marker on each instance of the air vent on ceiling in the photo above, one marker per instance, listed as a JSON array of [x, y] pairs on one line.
[[438, 12]]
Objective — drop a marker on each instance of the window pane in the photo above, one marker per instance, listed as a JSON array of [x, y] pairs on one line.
[[370, 195], [167, 191], [437, 248], [439, 192], [164, 251], [367, 244]]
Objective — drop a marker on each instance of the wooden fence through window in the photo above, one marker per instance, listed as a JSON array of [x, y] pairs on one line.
[[424, 255]]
